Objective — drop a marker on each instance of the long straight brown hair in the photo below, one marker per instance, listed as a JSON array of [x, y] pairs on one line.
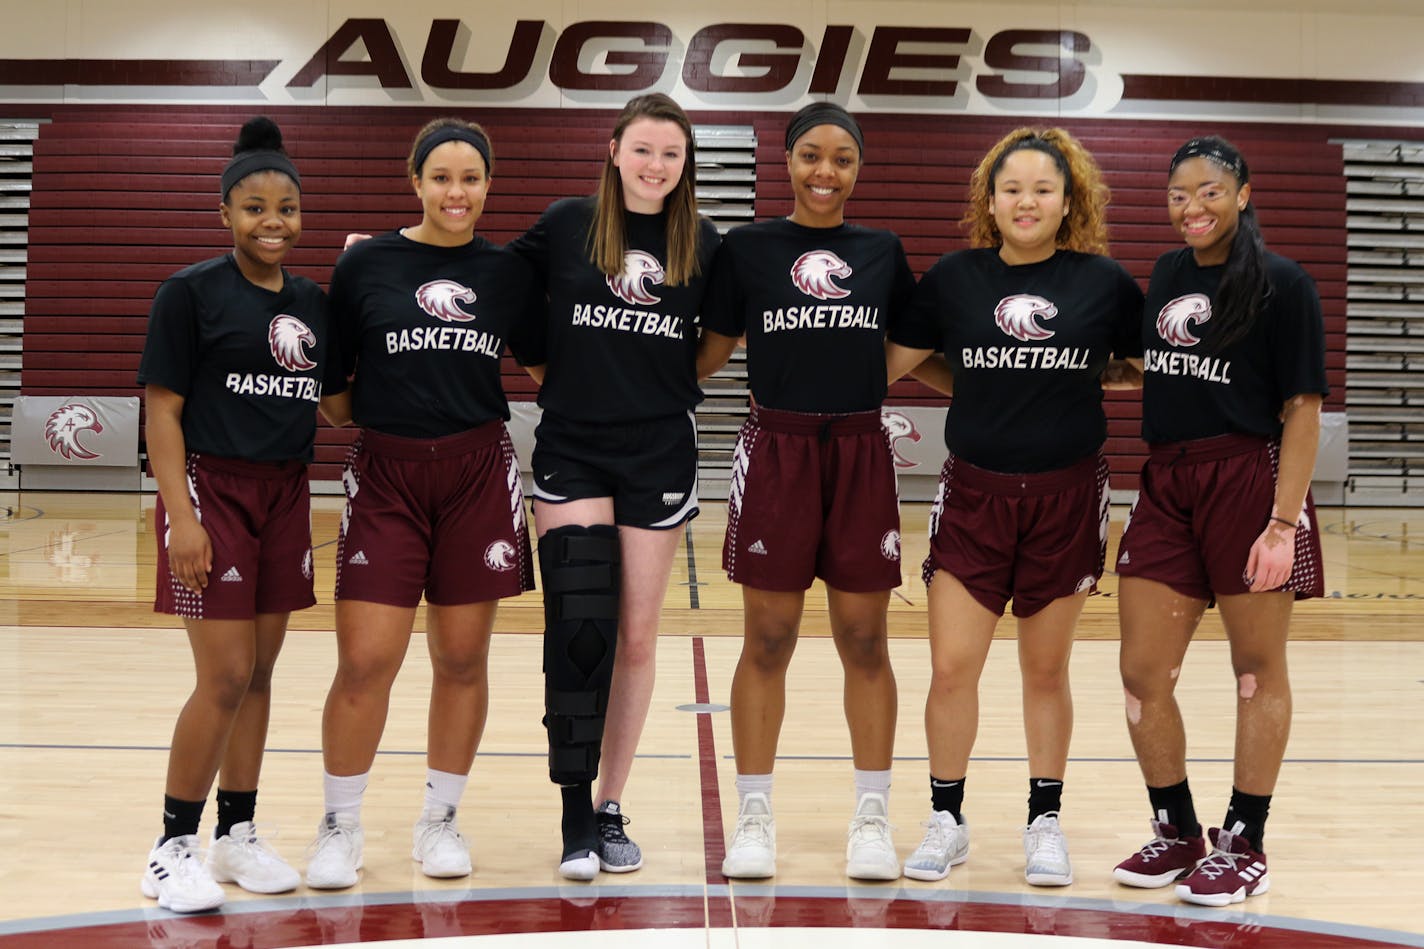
[[608, 238]]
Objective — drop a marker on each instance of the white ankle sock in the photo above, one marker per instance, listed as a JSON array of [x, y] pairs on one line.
[[872, 782], [343, 793], [443, 789], [753, 784]]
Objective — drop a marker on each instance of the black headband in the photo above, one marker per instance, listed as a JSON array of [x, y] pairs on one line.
[[823, 113], [260, 159], [1216, 150], [454, 133]]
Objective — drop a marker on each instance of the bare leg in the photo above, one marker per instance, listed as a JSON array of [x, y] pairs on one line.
[[1257, 625], [242, 764], [770, 623], [1157, 624], [371, 642], [961, 629], [459, 638], [858, 625], [223, 656], [1045, 645]]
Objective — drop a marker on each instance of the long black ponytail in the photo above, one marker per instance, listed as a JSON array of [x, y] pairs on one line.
[[1244, 285]]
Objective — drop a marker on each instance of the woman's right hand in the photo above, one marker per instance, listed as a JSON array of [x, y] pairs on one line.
[[190, 553], [352, 240]]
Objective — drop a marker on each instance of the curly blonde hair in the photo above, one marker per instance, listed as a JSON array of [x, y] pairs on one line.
[[1084, 227]]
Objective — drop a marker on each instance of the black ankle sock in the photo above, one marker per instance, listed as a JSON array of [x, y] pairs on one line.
[[234, 807], [1250, 811], [948, 796], [180, 818], [1173, 805], [1045, 796], [579, 824]]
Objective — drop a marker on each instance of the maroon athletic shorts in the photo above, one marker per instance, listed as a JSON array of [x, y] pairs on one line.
[[813, 496], [442, 516], [1202, 505], [1033, 538], [258, 519]]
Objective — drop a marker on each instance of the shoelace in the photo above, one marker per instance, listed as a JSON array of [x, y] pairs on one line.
[[1046, 840], [938, 835], [1219, 863], [256, 844], [186, 861], [431, 834], [753, 831], [1155, 847], [869, 829], [331, 833], [610, 828]]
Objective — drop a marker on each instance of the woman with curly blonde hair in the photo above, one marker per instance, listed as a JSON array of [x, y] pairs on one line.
[[1029, 321]]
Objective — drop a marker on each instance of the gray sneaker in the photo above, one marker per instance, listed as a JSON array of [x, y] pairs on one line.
[[616, 853]]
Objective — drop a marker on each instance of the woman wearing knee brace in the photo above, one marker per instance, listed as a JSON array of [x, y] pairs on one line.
[[615, 455]]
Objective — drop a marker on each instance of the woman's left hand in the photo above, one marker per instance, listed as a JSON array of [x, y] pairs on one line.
[[1271, 558]]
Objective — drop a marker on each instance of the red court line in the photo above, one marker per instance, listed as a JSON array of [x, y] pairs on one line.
[[719, 909]]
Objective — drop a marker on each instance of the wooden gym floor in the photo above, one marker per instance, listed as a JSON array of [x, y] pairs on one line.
[[91, 679]]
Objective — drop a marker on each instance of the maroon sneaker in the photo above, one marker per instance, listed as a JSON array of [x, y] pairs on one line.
[[1231, 873], [1163, 860]]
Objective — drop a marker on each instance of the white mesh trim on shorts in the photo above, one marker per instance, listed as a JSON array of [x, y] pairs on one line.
[[186, 603], [741, 463]]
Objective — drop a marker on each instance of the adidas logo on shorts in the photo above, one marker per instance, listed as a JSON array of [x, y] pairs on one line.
[[1124, 560], [232, 576], [358, 558], [757, 547]]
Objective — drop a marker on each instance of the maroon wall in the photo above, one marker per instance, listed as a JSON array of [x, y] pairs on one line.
[[125, 195]]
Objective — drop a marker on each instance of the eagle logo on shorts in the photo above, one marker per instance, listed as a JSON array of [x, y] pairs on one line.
[[814, 274], [897, 425], [1175, 319], [631, 286], [287, 335], [63, 426], [500, 556], [442, 299], [890, 546], [1018, 316]]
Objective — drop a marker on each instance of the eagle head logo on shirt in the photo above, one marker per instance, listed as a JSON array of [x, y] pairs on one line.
[[1174, 319], [814, 274], [897, 425], [63, 426], [442, 299], [631, 286], [1019, 314], [286, 336]]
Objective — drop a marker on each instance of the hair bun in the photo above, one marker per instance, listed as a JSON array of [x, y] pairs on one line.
[[258, 134]]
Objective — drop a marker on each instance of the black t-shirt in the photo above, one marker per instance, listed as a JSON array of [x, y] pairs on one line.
[[247, 361], [814, 304], [1192, 390], [423, 328], [1028, 345], [616, 349]]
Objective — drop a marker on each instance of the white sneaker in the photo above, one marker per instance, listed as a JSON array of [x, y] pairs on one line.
[[439, 847], [177, 878], [335, 855], [870, 853], [752, 853], [1046, 852], [244, 858], [946, 845]]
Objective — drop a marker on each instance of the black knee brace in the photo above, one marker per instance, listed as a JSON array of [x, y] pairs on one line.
[[580, 570]]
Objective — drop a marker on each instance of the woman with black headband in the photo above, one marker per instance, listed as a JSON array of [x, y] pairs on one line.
[[232, 373], [813, 481], [615, 456], [434, 506], [1235, 374], [1029, 319]]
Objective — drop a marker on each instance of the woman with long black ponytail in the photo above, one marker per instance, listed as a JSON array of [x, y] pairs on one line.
[[1234, 376]]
